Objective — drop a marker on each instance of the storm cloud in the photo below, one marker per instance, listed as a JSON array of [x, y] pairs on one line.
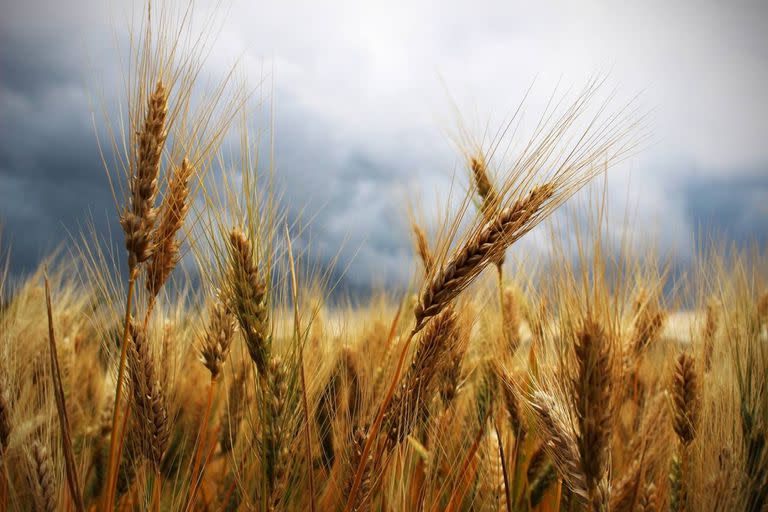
[[363, 94]]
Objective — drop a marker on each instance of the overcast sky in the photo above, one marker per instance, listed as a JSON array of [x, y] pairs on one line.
[[363, 96]]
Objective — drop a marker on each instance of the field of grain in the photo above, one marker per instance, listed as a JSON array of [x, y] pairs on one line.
[[600, 383]]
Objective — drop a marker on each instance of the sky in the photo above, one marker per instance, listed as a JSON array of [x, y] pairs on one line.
[[364, 97]]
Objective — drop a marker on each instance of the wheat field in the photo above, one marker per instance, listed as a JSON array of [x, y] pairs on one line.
[[233, 381]]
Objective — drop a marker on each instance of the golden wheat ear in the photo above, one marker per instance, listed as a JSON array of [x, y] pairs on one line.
[[42, 478], [559, 442], [422, 248], [685, 395], [217, 339], [466, 263], [649, 501], [417, 386], [685, 398], [138, 219], [510, 392], [149, 400], [247, 298], [237, 397], [173, 211], [591, 396], [510, 316]]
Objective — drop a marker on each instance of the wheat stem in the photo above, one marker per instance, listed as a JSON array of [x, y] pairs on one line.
[[113, 461], [377, 423], [200, 446], [297, 334], [464, 467], [66, 436], [504, 469]]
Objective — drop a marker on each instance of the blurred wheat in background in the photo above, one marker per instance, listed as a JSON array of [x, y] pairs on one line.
[[601, 384]]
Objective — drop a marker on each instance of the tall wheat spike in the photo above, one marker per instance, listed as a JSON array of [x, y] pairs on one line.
[[139, 219], [217, 339], [416, 388], [149, 401], [172, 214], [42, 478], [685, 394], [248, 299], [422, 248], [469, 260], [559, 442], [591, 393]]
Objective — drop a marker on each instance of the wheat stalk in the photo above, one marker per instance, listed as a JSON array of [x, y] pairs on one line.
[[61, 408], [5, 422], [510, 315]]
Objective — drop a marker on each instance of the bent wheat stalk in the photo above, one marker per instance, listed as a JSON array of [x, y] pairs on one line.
[[61, 407], [493, 237]]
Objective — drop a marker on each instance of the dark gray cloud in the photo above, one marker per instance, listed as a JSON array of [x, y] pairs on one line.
[[52, 180], [361, 112], [732, 209]]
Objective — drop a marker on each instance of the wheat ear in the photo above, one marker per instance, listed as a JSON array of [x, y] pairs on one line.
[[217, 339], [648, 501], [510, 393], [149, 399], [489, 198], [138, 220], [422, 247], [42, 478], [361, 502], [248, 299], [507, 226], [559, 442], [431, 351], [711, 324], [172, 214], [591, 396], [685, 394]]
